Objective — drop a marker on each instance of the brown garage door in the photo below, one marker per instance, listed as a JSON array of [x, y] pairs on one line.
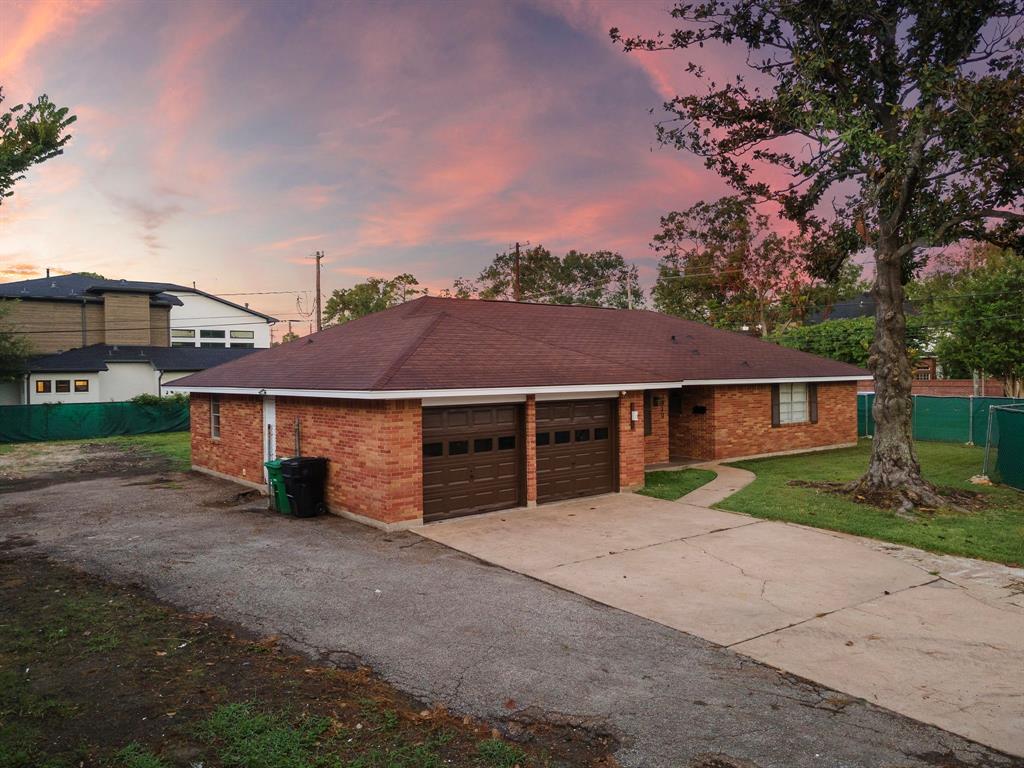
[[471, 460], [575, 448]]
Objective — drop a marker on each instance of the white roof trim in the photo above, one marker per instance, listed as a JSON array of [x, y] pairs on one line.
[[423, 394], [431, 394], [789, 380]]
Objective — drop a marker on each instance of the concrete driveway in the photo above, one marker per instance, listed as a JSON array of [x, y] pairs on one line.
[[450, 629], [917, 633]]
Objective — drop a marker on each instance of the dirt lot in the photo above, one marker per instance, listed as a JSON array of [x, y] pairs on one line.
[[35, 465], [94, 674]]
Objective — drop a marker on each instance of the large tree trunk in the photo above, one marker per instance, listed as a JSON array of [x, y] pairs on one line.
[[894, 469]]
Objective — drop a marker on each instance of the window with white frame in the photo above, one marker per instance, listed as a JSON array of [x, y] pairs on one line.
[[792, 403], [215, 416]]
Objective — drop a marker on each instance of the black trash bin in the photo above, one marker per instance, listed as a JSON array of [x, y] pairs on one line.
[[304, 479]]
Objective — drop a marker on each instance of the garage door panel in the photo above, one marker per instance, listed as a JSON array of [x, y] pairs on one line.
[[574, 449], [471, 460]]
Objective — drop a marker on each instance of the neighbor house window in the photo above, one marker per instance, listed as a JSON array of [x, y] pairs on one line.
[[242, 345], [794, 403], [81, 385], [63, 385], [211, 334], [43, 386], [214, 415], [183, 333], [243, 335], [212, 344], [183, 344]]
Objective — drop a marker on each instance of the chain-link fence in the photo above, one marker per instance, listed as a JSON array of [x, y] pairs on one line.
[[1004, 445], [942, 419]]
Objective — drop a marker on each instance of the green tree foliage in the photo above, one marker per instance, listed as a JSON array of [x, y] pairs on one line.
[[979, 319], [375, 294], [599, 278], [871, 124], [721, 264], [14, 347], [95, 275], [847, 340], [29, 135]]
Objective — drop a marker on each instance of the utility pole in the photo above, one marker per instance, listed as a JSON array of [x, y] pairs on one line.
[[515, 284], [318, 255]]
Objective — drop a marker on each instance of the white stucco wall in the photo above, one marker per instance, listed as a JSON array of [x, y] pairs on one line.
[[200, 313], [12, 392], [53, 396], [126, 380]]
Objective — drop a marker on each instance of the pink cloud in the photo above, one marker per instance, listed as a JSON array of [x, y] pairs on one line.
[[26, 27]]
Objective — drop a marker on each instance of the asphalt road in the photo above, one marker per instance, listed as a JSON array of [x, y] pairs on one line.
[[448, 628]]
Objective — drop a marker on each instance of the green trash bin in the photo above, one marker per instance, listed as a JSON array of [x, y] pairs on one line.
[[278, 495]]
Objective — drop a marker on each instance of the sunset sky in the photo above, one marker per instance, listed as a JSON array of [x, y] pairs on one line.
[[222, 142]]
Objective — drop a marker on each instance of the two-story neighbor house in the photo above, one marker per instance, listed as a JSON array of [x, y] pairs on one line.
[[96, 340]]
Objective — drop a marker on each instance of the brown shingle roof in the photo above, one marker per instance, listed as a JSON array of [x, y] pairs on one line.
[[433, 343]]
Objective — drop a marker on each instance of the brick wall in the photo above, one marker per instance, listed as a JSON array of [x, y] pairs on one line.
[[530, 439], [743, 420], [692, 435], [656, 447], [239, 450], [946, 387], [374, 448], [631, 441]]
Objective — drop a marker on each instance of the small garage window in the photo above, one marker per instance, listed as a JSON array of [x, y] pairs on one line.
[[458, 447], [81, 385], [43, 386], [600, 433], [543, 438], [506, 443], [483, 445], [582, 435], [63, 385], [431, 450], [562, 437], [215, 416]]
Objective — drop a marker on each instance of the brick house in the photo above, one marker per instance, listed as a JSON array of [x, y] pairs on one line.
[[445, 407]]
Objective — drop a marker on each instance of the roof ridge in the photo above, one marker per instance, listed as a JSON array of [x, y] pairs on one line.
[[406, 353], [560, 347]]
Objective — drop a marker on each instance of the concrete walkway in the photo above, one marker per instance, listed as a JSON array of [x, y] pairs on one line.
[[836, 609]]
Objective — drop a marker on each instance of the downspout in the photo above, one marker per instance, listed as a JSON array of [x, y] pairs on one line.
[[160, 384]]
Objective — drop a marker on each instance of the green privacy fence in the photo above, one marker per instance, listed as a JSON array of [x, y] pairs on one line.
[[80, 421], [1004, 448], [942, 419]]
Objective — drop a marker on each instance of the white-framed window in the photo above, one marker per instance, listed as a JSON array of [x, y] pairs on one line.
[[793, 403], [211, 334], [183, 333], [81, 385], [243, 334], [215, 416]]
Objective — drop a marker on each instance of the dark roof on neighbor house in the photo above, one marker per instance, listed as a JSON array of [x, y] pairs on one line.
[[96, 356], [861, 306], [439, 344], [83, 287], [79, 288]]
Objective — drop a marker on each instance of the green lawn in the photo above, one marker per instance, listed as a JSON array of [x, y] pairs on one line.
[[670, 484], [997, 533], [175, 445]]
